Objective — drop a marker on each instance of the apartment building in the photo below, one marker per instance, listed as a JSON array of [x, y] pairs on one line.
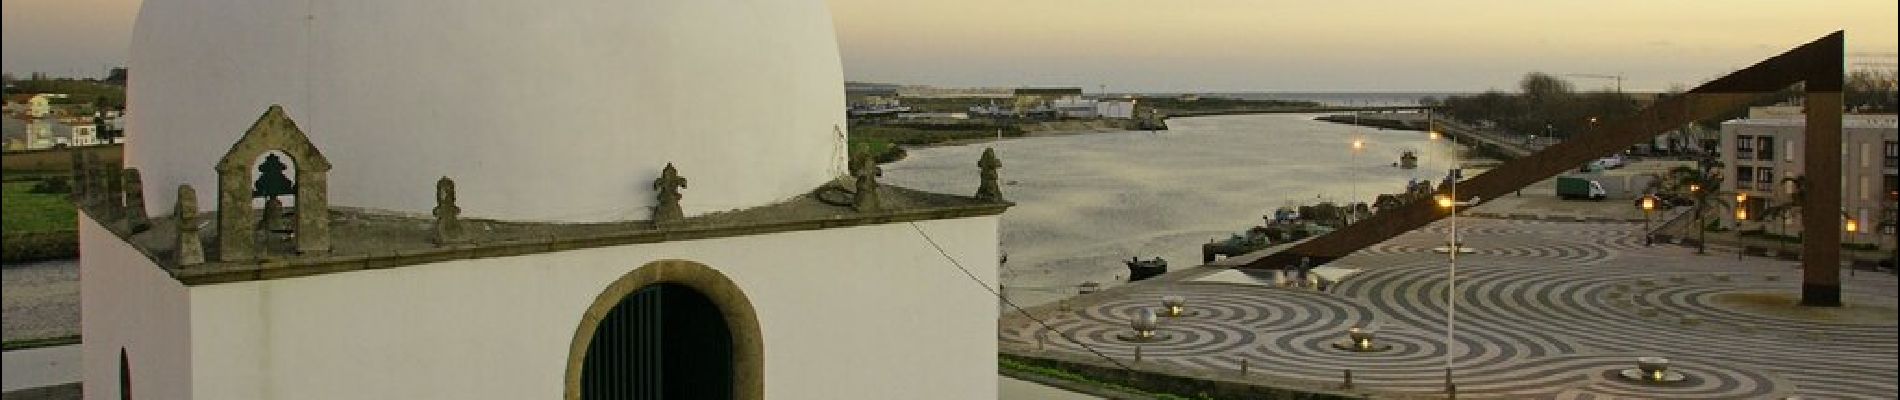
[[1762, 153]]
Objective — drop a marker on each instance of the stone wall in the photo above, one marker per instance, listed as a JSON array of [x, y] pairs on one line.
[[58, 160]]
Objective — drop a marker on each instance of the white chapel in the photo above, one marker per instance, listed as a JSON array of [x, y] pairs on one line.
[[563, 199]]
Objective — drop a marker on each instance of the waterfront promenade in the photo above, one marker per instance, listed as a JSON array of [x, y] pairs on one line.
[[1545, 309]]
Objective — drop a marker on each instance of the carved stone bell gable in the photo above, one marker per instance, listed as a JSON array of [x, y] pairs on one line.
[[274, 131]]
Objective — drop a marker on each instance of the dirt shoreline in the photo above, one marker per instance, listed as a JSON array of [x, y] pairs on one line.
[[1065, 128]]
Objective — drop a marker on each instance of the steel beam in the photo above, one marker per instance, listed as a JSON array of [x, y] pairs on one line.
[[1817, 63]]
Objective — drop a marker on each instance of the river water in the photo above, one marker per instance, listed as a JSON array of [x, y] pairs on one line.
[[1087, 202]]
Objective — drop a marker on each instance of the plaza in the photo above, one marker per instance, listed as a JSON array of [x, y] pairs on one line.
[[1545, 309]]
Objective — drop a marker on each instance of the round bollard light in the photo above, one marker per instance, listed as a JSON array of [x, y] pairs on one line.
[[1173, 306], [1144, 323], [1361, 338], [1654, 368]]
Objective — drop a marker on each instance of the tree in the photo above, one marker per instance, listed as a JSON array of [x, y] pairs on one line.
[[1540, 88], [1786, 210], [1870, 90], [1700, 185], [116, 76], [1545, 105]]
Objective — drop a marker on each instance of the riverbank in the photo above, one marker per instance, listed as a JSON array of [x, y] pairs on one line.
[[41, 302], [1087, 202], [887, 144], [38, 217], [1314, 109], [1048, 129]]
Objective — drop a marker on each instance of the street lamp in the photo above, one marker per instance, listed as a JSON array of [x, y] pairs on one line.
[[1456, 245], [1446, 201], [1853, 232], [1353, 211], [1649, 205]]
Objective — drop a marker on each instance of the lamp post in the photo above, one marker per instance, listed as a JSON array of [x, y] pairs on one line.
[[1701, 241], [1853, 232], [1353, 211], [1431, 132], [1448, 202], [1741, 214], [1649, 205]]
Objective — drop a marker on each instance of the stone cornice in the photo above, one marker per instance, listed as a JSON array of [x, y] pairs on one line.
[[533, 238]]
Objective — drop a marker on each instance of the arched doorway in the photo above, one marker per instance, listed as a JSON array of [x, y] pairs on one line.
[[668, 330], [665, 341]]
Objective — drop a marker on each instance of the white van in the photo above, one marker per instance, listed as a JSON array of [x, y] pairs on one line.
[[1611, 162]]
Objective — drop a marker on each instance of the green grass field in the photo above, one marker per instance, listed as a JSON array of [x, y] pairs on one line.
[[24, 211]]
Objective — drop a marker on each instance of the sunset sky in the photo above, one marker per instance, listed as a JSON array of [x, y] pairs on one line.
[[1209, 45]]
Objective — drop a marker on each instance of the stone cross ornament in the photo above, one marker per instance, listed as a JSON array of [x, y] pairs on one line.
[[668, 185], [988, 189], [865, 198], [191, 249], [448, 222]]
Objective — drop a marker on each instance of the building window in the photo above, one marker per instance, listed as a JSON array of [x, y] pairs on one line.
[[1744, 177], [1765, 148], [1893, 154], [1766, 177], [1787, 150], [1744, 147], [1891, 186]]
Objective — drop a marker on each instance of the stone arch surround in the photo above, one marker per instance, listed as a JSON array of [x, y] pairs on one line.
[[748, 347]]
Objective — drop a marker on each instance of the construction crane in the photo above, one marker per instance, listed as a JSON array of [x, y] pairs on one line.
[[1617, 77]]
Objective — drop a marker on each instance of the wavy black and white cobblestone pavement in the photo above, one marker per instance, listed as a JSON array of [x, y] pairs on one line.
[[1545, 310]]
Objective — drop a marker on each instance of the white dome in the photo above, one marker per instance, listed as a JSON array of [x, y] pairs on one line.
[[561, 110]]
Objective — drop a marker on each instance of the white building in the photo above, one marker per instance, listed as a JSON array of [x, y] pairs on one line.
[[28, 133], [35, 105], [1074, 107], [83, 135], [557, 284], [1121, 109], [1761, 152]]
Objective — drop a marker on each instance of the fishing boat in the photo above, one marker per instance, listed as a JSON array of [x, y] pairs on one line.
[[1139, 269]]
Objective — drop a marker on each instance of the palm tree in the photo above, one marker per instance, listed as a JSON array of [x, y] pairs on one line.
[[1700, 184], [1789, 209]]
